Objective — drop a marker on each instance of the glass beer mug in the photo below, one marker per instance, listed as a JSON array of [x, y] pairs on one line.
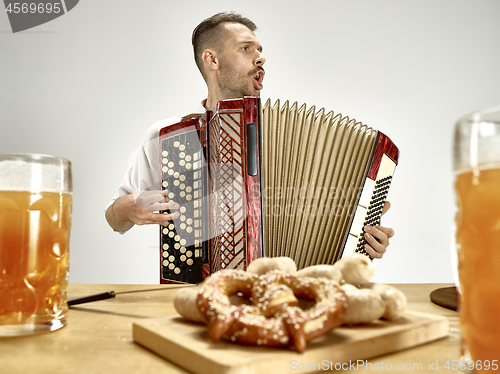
[[476, 164], [35, 223]]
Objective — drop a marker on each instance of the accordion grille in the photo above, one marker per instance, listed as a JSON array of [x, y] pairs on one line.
[[227, 191], [313, 168]]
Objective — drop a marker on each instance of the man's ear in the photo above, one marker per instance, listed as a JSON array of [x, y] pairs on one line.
[[211, 59]]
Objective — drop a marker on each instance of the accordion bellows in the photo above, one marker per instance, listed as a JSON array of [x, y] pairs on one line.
[[314, 166], [279, 180]]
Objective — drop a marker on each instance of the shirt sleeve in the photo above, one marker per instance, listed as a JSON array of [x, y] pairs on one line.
[[143, 171]]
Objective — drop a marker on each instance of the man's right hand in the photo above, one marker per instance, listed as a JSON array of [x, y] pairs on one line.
[[141, 208]]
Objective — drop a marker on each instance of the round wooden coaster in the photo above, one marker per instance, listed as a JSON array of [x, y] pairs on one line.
[[446, 297]]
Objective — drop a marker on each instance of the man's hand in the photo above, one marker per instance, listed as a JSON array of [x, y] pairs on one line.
[[377, 237], [141, 208]]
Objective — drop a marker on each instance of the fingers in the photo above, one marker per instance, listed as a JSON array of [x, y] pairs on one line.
[[154, 201], [386, 230], [164, 218], [147, 199], [377, 239], [147, 205], [171, 205], [387, 206], [151, 218]]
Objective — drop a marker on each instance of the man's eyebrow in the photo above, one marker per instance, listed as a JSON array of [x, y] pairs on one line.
[[259, 48]]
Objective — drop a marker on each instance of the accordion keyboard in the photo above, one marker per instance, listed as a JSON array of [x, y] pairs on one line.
[[370, 205], [182, 241], [374, 209]]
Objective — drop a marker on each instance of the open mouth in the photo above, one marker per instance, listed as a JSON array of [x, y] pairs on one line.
[[258, 78]]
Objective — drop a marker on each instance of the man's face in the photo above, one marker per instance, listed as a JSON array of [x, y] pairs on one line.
[[241, 62]]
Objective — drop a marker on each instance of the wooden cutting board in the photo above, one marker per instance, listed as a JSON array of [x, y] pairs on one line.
[[184, 343]]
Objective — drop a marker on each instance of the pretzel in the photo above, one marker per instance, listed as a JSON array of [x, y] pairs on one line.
[[273, 319]]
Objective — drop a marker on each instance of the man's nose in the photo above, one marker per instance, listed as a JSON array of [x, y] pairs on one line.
[[260, 60]]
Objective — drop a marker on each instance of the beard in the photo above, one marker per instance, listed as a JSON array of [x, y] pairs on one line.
[[235, 84]]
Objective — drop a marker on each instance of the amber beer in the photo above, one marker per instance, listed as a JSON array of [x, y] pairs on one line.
[[35, 224], [478, 244]]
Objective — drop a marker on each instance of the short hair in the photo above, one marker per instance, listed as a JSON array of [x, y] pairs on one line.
[[209, 34]]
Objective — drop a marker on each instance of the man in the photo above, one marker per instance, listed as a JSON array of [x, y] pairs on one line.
[[230, 59]]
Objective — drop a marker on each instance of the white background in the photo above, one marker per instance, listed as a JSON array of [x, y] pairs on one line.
[[87, 85]]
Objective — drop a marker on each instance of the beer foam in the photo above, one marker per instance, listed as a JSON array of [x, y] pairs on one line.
[[18, 175]]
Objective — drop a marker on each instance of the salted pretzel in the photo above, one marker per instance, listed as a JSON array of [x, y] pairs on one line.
[[273, 319]]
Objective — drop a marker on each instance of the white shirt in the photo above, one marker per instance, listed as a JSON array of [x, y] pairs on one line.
[[143, 171]]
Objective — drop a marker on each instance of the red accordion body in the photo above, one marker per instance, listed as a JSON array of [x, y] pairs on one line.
[[216, 168]]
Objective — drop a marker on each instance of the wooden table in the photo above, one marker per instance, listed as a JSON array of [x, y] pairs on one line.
[[98, 337]]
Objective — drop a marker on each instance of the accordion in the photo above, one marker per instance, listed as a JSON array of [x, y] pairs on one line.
[[272, 180]]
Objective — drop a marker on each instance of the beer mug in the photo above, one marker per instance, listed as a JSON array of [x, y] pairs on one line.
[[476, 164], [35, 223]]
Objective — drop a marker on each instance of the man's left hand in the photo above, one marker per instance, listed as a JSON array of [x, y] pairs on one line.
[[377, 237]]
